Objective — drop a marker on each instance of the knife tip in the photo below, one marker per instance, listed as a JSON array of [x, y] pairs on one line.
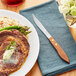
[[33, 15]]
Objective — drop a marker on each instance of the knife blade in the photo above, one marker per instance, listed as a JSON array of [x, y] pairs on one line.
[[58, 48]]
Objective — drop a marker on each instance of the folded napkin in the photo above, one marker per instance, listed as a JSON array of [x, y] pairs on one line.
[[49, 61]]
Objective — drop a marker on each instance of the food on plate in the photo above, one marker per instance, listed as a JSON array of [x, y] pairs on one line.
[[8, 21], [14, 46]]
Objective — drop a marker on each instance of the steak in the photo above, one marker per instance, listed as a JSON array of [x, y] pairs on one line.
[[19, 55]]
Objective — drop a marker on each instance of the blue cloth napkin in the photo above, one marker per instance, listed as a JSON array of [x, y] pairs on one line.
[[49, 61]]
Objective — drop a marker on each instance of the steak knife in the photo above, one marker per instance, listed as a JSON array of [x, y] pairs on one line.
[[58, 48]]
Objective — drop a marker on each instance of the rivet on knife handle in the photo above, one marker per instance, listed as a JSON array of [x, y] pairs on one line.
[[60, 51]]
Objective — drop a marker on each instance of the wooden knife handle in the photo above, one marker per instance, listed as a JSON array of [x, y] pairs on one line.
[[60, 51]]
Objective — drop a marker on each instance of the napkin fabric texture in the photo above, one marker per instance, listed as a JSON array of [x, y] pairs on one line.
[[49, 61]]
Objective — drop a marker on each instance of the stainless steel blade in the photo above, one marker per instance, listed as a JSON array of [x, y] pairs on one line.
[[38, 23]]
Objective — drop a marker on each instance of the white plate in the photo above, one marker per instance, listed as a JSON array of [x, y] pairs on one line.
[[33, 41]]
